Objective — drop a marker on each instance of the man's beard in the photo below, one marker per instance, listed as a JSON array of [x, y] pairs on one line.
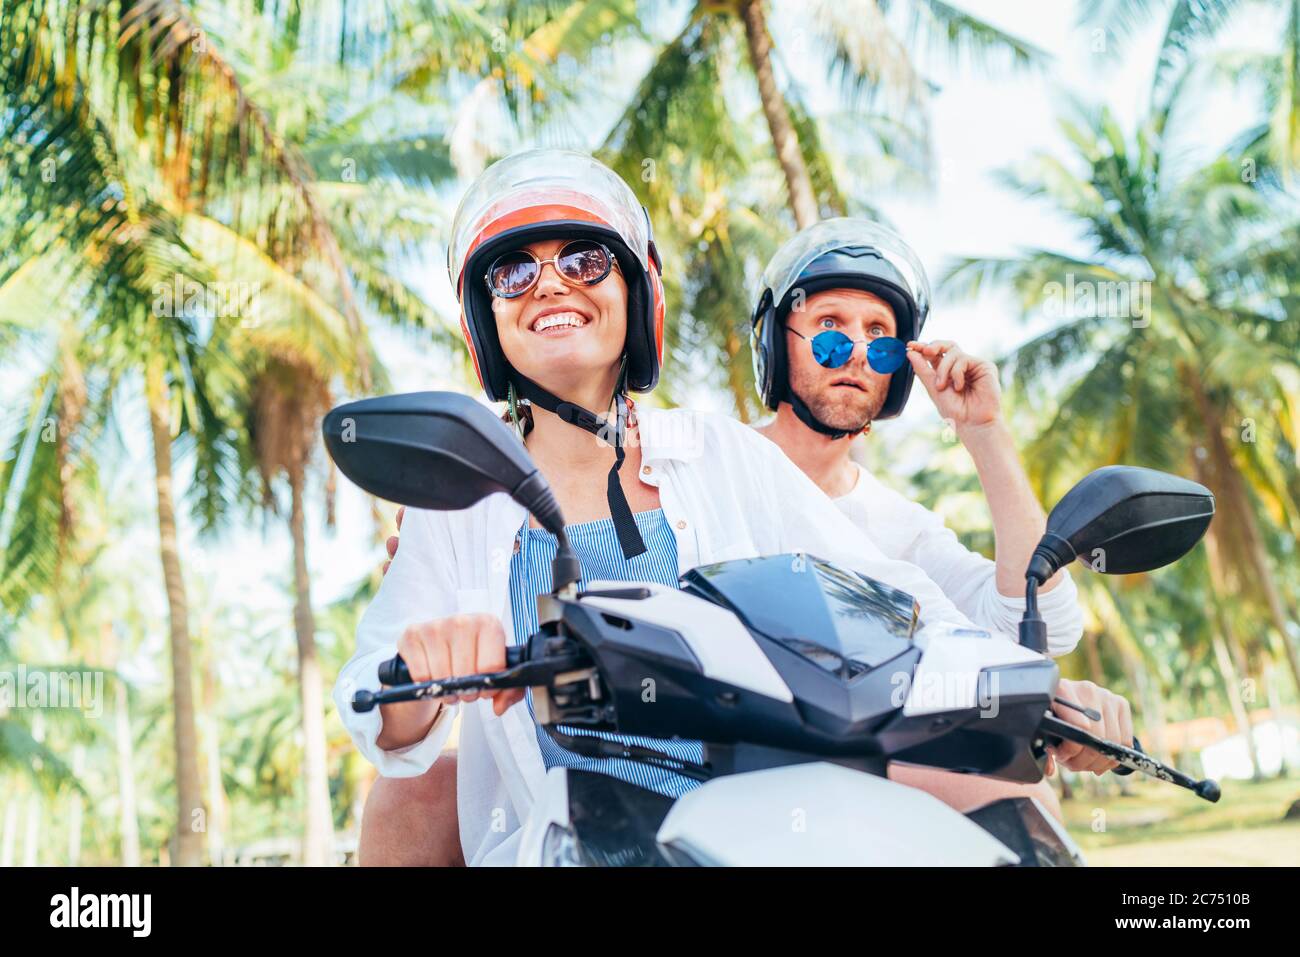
[[843, 409]]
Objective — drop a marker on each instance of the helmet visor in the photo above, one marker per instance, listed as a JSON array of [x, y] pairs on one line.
[[783, 272], [540, 186]]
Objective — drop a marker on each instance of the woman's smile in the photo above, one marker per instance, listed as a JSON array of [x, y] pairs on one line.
[[558, 321]]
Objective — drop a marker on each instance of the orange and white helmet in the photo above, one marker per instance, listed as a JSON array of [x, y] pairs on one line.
[[554, 194]]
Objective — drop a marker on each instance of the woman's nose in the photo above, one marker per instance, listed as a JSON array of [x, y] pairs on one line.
[[549, 281]]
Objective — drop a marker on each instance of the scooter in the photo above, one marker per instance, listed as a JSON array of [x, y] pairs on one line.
[[803, 679]]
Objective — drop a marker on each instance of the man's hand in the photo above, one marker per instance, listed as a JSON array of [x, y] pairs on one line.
[[1116, 725], [963, 388], [391, 544]]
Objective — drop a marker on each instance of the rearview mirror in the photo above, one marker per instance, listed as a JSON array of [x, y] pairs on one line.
[[435, 450], [1123, 519]]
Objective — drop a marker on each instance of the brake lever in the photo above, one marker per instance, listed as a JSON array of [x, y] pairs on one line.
[[1055, 730], [527, 674]]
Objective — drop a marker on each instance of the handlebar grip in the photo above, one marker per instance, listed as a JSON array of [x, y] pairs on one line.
[[394, 671], [1137, 746]]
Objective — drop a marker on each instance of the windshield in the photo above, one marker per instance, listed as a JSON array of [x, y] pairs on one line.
[[842, 621]]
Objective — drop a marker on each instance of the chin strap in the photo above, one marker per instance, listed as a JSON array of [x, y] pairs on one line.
[[629, 536], [810, 420]]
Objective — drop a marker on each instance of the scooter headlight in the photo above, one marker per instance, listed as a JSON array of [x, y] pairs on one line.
[[561, 848]]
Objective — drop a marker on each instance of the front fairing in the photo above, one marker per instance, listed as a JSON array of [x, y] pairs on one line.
[[844, 622], [799, 656]]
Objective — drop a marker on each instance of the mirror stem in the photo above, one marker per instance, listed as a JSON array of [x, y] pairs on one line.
[[1045, 561], [566, 570], [1033, 630]]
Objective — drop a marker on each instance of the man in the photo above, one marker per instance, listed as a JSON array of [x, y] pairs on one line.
[[834, 288], [835, 341]]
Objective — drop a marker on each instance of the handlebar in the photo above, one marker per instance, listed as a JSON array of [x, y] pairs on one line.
[[394, 672], [520, 672], [1130, 759]]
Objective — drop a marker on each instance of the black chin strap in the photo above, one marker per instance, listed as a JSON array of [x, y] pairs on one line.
[[810, 420], [629, 536]]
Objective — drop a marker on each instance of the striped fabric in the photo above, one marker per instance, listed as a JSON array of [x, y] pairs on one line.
[[596, 545]]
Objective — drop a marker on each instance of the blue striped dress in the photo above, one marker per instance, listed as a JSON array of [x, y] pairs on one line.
[[596, 545]]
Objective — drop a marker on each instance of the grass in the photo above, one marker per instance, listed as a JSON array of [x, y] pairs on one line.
[[1161, 824]]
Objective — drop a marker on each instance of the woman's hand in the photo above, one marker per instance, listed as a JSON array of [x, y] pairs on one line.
[[1116, 725], [446, 648], [458, 646]]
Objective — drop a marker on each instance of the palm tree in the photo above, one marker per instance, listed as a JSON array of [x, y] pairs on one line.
[[1176, 382], [77, 132], [193, 157], [287, 401], [1190, 29], [861, 48], [709, 173]]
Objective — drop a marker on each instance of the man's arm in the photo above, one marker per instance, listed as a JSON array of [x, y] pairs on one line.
[[1018, 518], [966, 392], [907, 530]]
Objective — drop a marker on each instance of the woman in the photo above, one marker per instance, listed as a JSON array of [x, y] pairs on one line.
[[562, 305]]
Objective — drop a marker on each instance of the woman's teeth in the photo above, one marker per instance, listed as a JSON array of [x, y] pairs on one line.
[[556, 319]]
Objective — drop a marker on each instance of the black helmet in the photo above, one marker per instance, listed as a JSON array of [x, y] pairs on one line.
[[841, 253]]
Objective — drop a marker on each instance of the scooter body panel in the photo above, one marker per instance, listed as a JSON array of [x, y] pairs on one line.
[[822, 814]]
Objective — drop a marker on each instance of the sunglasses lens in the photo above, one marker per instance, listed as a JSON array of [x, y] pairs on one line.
[[512, 274], [886, 355], [831, 348], [584, 262]]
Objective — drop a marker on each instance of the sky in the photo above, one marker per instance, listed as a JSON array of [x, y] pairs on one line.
[[980, 123]]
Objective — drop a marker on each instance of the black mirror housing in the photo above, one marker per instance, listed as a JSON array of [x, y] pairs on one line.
[[435, 450], [1123, 519]]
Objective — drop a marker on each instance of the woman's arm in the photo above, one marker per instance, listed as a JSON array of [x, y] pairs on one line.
[[416, 589]]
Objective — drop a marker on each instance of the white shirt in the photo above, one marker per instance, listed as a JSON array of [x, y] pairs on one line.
[[727, 493], [909, 531]]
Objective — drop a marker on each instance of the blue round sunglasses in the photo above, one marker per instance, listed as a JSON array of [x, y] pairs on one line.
[[833, 349]]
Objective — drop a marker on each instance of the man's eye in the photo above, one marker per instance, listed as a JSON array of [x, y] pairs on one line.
[[827, 323], [877, 331]]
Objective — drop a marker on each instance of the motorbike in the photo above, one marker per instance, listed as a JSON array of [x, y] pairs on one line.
[[802, 678]]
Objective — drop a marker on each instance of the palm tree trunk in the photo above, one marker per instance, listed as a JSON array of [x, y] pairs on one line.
[[216, 793], [1275, 712], [1096, 674], [1067, 792], [1153, 706], [1232, 684], [318, 827], [803, 199], [190, 816], [740, 391], [75, 811], [9, 837], [32, 839], [129, 819], [1232, 487], [1221, 632]]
